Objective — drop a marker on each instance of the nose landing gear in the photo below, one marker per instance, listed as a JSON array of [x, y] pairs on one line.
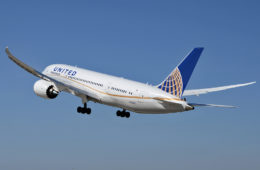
[[123, 113]]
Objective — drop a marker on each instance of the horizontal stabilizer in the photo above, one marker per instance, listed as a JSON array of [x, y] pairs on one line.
[[197, 92], [210, 105]]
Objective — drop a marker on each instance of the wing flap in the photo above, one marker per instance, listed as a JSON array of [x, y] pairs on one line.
[[197, 92]]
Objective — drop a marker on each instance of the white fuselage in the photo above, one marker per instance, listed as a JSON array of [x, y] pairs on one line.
[[115, 91]]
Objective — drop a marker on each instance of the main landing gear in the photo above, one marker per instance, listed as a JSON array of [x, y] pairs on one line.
[[84, 109], [123, 113]]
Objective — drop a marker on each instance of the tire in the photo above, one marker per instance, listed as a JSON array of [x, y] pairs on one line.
[[118, 113], [122, 114], [79, 110], [88, 111], [127, 114], [84, 110]]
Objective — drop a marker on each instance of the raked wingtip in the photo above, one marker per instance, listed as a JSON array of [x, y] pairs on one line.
[[6, 49], [8, 52]]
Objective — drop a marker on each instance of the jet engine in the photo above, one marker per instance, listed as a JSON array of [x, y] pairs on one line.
[[45, 89]]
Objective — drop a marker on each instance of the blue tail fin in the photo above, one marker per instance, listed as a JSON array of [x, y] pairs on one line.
[[177, 81]]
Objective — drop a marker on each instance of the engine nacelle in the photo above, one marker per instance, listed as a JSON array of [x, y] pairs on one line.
[[45, 89]]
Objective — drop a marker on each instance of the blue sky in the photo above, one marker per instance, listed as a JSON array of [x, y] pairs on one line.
[[143, 41]]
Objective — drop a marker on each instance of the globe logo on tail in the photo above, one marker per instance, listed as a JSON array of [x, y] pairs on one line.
[[173, 84]]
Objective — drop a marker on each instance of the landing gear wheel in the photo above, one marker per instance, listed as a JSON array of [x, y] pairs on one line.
[[84, 109], [127, 114], [88, 111], [123, 113], [79, 109], [118, 113]]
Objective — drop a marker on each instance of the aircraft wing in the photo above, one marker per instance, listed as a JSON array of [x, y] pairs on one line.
[[42, 76], [197, 92], [25, 66]]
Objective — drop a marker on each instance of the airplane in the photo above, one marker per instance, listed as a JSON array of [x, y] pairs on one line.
[[129, 95]]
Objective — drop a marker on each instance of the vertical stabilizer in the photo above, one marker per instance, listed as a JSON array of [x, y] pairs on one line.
[[177, 81]]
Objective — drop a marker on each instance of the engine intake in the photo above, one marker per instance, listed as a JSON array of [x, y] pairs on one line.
[[45, 89]]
